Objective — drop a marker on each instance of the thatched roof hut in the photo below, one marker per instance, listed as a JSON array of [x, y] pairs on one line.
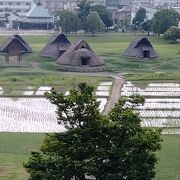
[[56, 46], [80, 57], [14, 46], [140, 47], [29, 49]]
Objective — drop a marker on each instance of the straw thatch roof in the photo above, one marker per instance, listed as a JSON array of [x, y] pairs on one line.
[[140, 47], [80, 55], [56, 46], [15, 44], [24, 42]]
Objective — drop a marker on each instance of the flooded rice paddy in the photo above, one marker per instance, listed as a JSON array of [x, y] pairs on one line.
[[29, 113], [161, 107], [37, 114]]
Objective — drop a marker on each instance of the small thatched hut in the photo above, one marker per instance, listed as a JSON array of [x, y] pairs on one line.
[[140, 47], [80, 57], [14, 46], [56, 46], [29, 49]]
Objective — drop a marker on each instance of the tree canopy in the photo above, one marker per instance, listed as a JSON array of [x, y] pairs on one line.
[[90, 18], [139, 17], [68, 21], [107, 147], [94, 22], [146, 26], [84, 8], [104, 14], [164, 19], [172, 34]]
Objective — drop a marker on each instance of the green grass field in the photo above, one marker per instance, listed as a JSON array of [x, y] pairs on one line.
[[15, 149], [35, 69], [169, 164]]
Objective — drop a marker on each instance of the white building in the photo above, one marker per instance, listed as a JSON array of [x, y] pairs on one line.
[[166, 2], [140, 2], [16, 6], [58, 5], [70, 5]]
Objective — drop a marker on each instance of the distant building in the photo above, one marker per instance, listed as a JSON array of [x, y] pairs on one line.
[[120, 10], [37, 18], [16, 6], [70, 5], [59, 5], [123, 15], [13, 9], [166, 2]]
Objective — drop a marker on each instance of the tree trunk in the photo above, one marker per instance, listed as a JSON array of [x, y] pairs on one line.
[[93, 33], [148, 32]]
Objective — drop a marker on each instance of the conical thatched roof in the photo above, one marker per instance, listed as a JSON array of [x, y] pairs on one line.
[[24, 42], [17, 43], [56, 46], [140, 47], [80, 54]]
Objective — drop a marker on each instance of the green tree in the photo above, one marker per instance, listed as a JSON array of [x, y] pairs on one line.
[[84, 8], [164, 19], [172, 34], [107, 147], [94, 22], [76, 23], [125, 25], [146, 26], [139, 17], [104, 14], [68, 21]]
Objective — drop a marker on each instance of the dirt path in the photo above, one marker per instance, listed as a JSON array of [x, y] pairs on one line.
[[113, 99], [115, 93]]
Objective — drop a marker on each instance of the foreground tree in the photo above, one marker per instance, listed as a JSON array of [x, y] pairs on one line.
[[107, 147], [164, 19], [172, 34]]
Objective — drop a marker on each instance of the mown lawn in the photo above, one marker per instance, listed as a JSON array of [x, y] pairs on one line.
[[169, 164], [15, 149]]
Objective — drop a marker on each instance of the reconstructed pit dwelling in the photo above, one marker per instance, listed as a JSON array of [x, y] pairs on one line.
[[56, 46], [81, 57], [14, 46], [140, 47]]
